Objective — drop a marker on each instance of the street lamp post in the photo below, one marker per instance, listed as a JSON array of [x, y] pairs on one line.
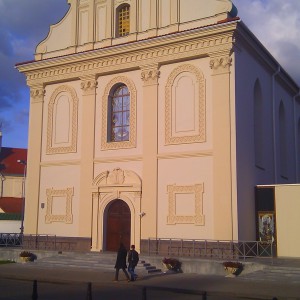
[[23, 162]]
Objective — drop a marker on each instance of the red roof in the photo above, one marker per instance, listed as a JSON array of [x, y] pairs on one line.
[[11, 205], [9, 160]]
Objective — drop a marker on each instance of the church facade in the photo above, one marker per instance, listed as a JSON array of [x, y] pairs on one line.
[[155, 119]]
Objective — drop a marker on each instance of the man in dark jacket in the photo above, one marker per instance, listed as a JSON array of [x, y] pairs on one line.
[[133, 259], [121, 262]]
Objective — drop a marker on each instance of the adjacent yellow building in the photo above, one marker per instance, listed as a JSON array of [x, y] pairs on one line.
[[155, 119]]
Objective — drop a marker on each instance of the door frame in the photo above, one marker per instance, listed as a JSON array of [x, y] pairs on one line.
[[127, 186]]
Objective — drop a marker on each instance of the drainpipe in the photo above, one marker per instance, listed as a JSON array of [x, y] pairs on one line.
[[2, 179], [297, 137], [274, 123]]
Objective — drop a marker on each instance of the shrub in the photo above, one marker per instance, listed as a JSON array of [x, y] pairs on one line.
[[172, 264], [233, 264]]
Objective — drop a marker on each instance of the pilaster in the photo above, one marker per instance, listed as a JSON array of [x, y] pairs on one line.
[[220, 65], [149, 75], [35, 130], [89, 88]]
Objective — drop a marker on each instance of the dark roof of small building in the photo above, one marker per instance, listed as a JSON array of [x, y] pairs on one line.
[[9, 160], [11, 205]]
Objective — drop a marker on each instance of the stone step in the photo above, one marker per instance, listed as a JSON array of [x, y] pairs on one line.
[[94, 261]]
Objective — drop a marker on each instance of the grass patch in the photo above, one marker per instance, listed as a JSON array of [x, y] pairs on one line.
[[4, 262]]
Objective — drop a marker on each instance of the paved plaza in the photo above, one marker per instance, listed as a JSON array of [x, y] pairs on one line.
[[53, 282]]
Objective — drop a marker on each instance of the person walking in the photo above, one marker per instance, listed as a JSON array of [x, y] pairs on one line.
[[121, 262], [133, 259]]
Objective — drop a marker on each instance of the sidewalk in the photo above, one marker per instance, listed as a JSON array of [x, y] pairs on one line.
[[72, 283]]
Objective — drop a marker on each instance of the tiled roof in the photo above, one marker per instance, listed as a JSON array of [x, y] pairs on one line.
[[9, 158], [11, 205]]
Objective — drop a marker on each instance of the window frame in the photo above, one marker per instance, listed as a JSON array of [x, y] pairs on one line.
[[123, 24], [106, 144], [122, 112]]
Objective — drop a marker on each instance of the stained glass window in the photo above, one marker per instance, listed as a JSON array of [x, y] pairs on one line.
[[120, 114]]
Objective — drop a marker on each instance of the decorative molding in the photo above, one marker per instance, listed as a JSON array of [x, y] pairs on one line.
[[150, 75], [221, 64], [185, 154], [119, 2], [118, 178], [198, 218], [200, 135], [73, 162], [50, 148], [89, 86], [118, 159], [64, 218], [108, 61], [37, 94], [105, 145]]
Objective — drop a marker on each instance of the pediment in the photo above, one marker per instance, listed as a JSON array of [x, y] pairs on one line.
[[117, 177], [92, 24]]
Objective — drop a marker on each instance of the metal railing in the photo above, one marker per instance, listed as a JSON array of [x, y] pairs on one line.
[[214, 249], [11, 240], [39, 242]]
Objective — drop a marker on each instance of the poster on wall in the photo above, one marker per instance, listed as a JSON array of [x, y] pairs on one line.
[[266, 226]]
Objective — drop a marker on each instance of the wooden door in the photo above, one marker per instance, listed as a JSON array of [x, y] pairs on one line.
[[118, 225]]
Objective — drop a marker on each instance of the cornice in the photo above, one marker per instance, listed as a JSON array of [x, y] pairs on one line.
[[184, 154], [160, 50], [46, 164], [118, 159]]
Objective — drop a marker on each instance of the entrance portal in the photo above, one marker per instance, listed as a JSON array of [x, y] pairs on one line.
[[118, 225]]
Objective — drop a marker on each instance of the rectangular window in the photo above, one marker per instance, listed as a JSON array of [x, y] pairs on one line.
[[124, 21]]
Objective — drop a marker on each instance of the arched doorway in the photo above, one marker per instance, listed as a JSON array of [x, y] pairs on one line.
[[118, 225]]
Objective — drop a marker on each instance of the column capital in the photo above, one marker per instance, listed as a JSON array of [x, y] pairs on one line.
[[37, 93], [150, 74], [89, 85], [220, 64]]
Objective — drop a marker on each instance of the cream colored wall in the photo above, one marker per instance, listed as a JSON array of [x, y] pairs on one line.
[[287, 203], [61, 171], [60, 177], [185, 164], [152, 155], [12, 186], [185, 172], [7, 226]]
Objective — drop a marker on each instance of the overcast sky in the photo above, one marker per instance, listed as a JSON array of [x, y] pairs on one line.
[[24, 23]]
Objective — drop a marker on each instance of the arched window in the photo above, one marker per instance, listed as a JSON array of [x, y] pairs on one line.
[[123, 20], [282, 141], [258, 125], [119, 114]]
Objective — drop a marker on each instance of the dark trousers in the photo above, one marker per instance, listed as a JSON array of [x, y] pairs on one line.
[[117, 273]]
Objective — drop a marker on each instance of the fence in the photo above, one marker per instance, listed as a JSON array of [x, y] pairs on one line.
[[11, 240], [163, 291], [215, 249], [43, 242]]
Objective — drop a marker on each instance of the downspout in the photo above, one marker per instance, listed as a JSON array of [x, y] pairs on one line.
[[274, 123], [296, 137], [2, 179]]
